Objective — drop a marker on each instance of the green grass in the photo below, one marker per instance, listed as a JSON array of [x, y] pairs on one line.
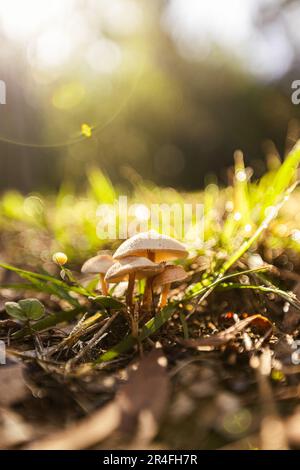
[[37, 225]]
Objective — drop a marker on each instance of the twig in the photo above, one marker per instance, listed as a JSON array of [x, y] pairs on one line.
[[80, 329], [95, 339]]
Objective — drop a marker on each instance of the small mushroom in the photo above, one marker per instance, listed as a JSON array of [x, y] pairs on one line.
[[131, 267], [99, 264], [170, 274], [154, 246]]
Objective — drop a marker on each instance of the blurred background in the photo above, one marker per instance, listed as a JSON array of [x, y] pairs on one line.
[[164, 89]]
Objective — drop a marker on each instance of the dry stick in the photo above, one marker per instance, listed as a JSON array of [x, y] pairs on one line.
[[246, 338], [95, 339], [66, 340], [261, 340], [70, 340]]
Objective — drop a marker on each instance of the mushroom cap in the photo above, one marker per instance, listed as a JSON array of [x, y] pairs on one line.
[[142, 267], [171, 273], [98, 264], [164, 247]]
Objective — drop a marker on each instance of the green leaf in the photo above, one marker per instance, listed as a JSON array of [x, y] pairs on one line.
[[123, 346], [184, 324], [33, 309], [107, 302], [284, 176], [13, 309], [101, 186]]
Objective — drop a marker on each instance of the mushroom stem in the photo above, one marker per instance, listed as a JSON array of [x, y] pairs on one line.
[[130, 289], [147, 298], [151, 255], [104, 287], [164, 296], [134, 317]]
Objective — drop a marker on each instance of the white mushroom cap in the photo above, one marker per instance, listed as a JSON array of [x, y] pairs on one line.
[[171, 273], [98, 264], [142, 267], [162, 246]]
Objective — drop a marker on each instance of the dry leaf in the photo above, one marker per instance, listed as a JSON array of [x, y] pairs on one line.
[[13, 387], [144, 397], [292, 427], [9, 324], [261, 323], [13, 430]]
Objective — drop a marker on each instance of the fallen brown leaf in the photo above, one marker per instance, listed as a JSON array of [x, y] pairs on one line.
[[13, 430], [292, 426], [13, 387], [144, 397], [8, 323], [261, 323]]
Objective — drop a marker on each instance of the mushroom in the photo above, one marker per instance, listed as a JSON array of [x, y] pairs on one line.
[[132, 267], [99, 264], [170, 274], [151, 245], [155, 247]]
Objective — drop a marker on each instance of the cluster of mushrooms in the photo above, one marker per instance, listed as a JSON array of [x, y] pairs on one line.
[[146, 255]]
